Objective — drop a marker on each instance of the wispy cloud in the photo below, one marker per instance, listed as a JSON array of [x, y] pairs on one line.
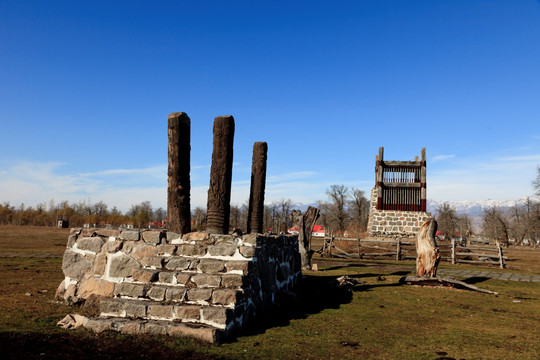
[[523, 158], [155, 171], [295, 175], [486, 177], [506, 175], [35, 182], [438, 158]]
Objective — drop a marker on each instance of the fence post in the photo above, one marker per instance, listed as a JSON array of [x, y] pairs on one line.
[[453, 251], [358, 245], [501, 259], [331, 244], [398, 251]]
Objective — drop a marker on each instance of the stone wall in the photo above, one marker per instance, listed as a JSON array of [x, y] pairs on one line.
[[390, 223], [198, 284]]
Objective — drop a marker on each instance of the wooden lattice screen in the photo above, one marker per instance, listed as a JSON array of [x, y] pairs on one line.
[[401, 185]]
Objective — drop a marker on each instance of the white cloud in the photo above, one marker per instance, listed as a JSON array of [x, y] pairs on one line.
[[524, 158], [159, 172], [33, 182], [488, 177], [296, 175], [505, 176], [438, 158]]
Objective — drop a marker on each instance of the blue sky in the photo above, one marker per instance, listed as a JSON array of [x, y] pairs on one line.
[[86, 88]]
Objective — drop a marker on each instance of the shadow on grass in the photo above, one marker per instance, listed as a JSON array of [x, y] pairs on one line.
[[378, 285], [313, 294], [401, 273], [343, 266], [85, 345], [475, 279]]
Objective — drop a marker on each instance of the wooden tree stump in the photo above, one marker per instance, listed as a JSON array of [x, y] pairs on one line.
[[427, 261], [428, 256], [305, 224]]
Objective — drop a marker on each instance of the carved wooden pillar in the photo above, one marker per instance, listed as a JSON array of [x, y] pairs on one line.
[[219, 193], [179, 187], [379, 178], [256, 195], [423, 181]]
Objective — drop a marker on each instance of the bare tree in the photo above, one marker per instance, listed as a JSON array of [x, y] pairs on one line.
[[324, 219], [518, 224], [536, 182], [141, 213], [199, 217], [7, 213], [238, 216], [268, 220], [276, 215], [99, 208], [465, 225], [283, 211], [159, 214], [495, 225], [359, 208], [524, 223], [447, 220], [244, 211], [337, 211], [305, 224]]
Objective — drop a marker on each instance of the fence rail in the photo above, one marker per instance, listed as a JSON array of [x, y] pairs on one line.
[[398, 249]]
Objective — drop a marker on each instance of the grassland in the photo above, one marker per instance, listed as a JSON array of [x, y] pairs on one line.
[[380, 319]]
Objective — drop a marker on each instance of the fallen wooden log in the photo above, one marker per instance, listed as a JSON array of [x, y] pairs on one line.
[[440, 281], [342, 251], [379, 254], [478, 254], [481, 248], [373, 247], [477, 262], [342, 256]]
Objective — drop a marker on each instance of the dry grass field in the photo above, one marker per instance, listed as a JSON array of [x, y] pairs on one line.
[[380, 319]]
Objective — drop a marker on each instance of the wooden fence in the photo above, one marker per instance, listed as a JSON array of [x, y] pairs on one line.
[[451, 251]]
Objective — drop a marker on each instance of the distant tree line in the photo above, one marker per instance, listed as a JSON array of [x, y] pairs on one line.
[[519, 225], [345, 210], [78, 214]]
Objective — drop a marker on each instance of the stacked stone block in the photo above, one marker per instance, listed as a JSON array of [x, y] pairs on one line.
[[198, 284], [393, 223]]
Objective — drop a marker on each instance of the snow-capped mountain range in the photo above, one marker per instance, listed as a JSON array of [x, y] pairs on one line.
[[475, 208]]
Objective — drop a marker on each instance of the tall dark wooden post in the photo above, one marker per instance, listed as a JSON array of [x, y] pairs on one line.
[[256, 195], [219, 193], [423, 180], [379, 177], [179, 188]]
